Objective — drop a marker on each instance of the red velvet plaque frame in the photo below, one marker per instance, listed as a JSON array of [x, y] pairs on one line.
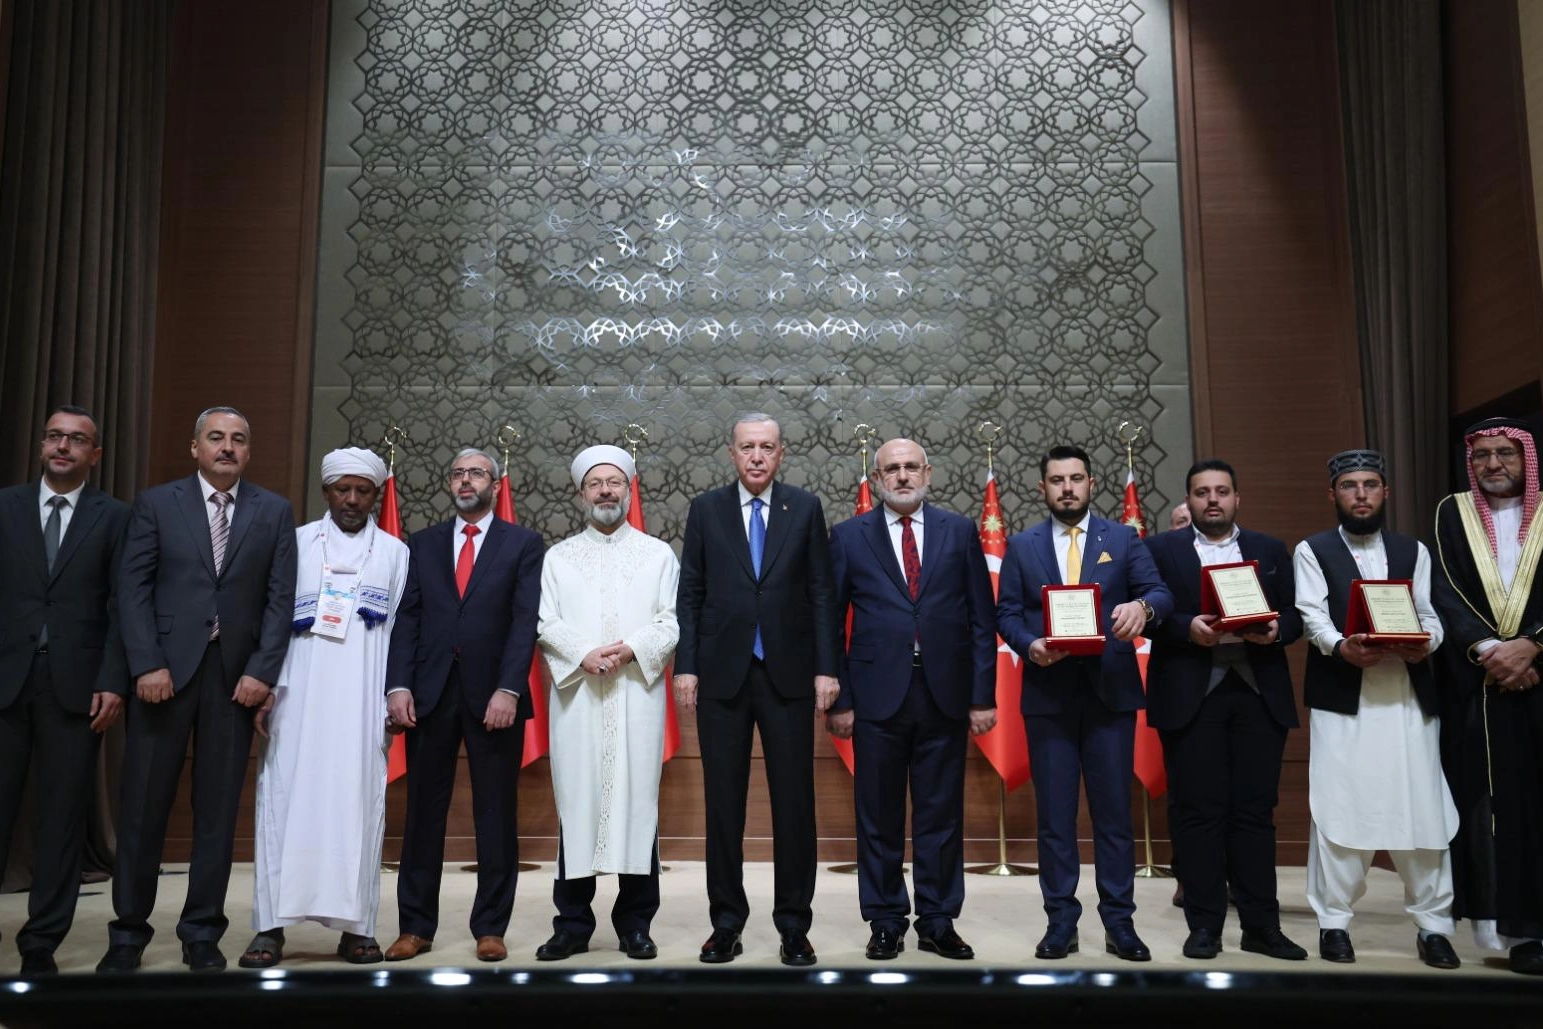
[[1080, 646], [1358, 619], [1210, 603]]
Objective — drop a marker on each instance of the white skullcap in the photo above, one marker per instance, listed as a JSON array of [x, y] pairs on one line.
[[352, 461], [598, 455]]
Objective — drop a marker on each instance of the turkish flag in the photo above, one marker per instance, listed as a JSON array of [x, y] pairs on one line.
[[1149, 747], [390, 520], [844, 747], [671, 721], [536, 738], [1006, 746]]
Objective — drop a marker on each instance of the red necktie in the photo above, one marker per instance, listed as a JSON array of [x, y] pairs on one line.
[[913, 561], [466, 559]]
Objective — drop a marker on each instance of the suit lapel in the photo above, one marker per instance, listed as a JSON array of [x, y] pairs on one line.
[[498, 532], [778, 528], [247, 501], [190, 498], [1044, 544], [734, 524], [1096, 544], [85, 516], [932, 546], [1189, 566], [28, 512], [884, 550]]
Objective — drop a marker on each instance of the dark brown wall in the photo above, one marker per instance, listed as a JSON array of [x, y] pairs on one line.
[[1496, 298], [1273, 352]]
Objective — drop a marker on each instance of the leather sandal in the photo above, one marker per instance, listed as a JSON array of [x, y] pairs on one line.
[[265, 950], [359, 950]]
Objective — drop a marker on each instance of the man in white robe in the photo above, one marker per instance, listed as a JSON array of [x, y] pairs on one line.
[[607, 631], [1374, 774], [321, 789]]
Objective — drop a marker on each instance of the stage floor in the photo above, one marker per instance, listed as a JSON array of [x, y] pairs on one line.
[[1002, 919]]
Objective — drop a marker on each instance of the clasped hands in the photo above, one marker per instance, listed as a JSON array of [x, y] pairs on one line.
[[607, 660], [1511, 664]]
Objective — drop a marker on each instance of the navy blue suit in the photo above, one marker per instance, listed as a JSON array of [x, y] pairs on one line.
[[1080, 712], [1223, 743], [453, 652], [911, 672]]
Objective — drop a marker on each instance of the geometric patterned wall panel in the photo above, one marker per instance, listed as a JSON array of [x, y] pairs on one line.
[[571, 215]]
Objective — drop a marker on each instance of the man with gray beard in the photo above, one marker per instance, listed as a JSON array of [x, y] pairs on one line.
[[607, 631], [918, 674]]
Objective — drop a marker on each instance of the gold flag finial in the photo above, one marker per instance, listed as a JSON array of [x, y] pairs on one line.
[[634, 434], [394, 437], [507, 437], [1128, 433], [990, 432], [863, 434]]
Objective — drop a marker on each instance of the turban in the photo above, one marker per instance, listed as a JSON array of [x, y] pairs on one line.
[[598, 455], [1347, 461], [352, 461], [1514, 430]]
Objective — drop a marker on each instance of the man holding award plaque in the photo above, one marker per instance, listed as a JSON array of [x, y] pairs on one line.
[[1075, 590], [1219, 692], [1374, 772], [1488, 545]]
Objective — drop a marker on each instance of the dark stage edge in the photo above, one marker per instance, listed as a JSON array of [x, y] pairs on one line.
[[854, 999]]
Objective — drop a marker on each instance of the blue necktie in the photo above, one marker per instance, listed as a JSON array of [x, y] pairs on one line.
[[757, 548]]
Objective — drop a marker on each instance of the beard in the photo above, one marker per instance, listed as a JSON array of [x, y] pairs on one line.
[[918, 495], [1070, 516], [1359, 526], [606, 516], [481, 500]]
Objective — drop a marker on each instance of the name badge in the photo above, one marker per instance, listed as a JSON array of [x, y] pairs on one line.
[[335, 604]]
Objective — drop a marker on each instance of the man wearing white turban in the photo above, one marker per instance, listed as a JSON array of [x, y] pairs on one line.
[[321, 789], [607, 630]]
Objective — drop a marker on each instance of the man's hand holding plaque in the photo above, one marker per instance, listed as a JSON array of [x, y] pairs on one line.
[[1072, 619], [1382, 612], [1233, 594]]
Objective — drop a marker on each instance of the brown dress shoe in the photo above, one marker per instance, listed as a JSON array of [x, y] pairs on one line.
[[491, 948], [408, 946]]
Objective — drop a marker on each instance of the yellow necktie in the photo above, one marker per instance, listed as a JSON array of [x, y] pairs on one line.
[[1073, 558]]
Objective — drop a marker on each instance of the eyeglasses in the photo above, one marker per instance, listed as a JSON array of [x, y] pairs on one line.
[[470, 474], [1349, 487], [615, 485], [1503, 454], [53, 437], [889, 471]]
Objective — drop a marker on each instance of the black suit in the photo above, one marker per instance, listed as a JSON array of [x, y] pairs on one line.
[[171, 596], [721, 603], [1223, 737], [453, 653], [45, 695]]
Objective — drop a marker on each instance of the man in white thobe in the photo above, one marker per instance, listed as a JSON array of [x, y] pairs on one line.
[[607, 631], [1375, 778], [321, 789]]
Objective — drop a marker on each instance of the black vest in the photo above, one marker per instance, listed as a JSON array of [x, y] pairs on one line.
[[1334, 685]]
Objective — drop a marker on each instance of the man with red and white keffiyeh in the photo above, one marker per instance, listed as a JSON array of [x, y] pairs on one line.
[[1490, 597]]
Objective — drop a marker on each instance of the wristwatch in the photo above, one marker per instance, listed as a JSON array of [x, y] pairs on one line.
[[1146, 609], [1335, 652]]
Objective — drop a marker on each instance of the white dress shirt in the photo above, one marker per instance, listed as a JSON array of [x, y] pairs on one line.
[[1063, 541], [71, 502], [458, 538], [745, 496], [209, 491], [892, 519]]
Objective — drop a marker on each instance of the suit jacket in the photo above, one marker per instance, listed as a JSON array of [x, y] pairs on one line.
[[1112, 556], [491, 631], [721, 601], [169, 592], [953, 617], [77, 601], [1180, 670]]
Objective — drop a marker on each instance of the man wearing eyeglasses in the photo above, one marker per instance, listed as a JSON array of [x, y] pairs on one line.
[[1490, 597], [457, 669], [62, 672], [1374, 770]]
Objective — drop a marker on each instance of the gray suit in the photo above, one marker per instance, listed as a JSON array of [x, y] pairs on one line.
[[171, 596]]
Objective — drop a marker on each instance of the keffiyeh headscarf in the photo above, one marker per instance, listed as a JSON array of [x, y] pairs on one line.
[[1513, 430]]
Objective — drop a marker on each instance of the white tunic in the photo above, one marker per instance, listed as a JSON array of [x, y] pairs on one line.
[[607, 732], [321, 787], [1374, 777]]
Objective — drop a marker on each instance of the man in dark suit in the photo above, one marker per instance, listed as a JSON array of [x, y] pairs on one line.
[[1223, 703], [1080, 711], [758, 643], [460, 657], [919, 672], [62, 673], [207, 595]]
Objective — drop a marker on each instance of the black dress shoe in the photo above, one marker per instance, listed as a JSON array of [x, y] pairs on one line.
[[1058, 941], [1272, 943], [796, 950], [202, 956], [1527, 958], [885, 944], [1178, 895], [946, 944], [37, 962], [562, 945], [1436, 951], [1334, 945], [1124, 944], [1203, 944], [638, 945], [723, 945], [120, 957]]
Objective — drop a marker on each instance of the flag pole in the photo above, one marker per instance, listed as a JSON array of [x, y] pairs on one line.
[[862, 434], [394, 435], [989, 432]]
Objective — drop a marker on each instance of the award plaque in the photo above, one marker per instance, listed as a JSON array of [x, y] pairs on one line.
[[1233, 593], [1072, 618], [1384, 610]]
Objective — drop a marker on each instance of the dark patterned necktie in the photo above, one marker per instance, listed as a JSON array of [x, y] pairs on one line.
[[219, 536], [913, 560]]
